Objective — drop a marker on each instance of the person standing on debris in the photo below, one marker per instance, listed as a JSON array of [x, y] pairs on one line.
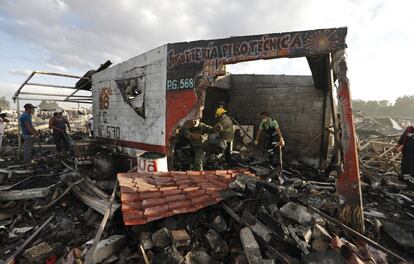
[[226, 131], [3, 119], [90, 124], [58, 123], [273, 135], [28, 132], [197, 133], [406, 146]]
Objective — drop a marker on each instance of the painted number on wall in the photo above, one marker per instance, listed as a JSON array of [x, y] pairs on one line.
[[147, 165], [109, 131], [180, 84]]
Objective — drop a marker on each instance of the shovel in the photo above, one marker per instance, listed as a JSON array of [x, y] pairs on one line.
[[281, 177]]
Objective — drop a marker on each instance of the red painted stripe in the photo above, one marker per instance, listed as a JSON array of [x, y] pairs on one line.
[[132, 144]]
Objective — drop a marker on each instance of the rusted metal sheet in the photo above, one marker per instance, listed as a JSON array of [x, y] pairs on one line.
[[348, 184]]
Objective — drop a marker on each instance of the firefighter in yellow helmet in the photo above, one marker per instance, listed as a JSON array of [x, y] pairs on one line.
[[225, 129]]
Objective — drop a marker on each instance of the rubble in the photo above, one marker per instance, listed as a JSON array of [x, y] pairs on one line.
[[250, 246], [38, 253], [249, 218], [107, 247], [180, 239]]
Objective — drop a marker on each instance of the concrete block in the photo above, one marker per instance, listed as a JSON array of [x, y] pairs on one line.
[[145, 240], [296, 212], [219, 224], [219, 247], [38, 253], [325, 257], [319, 245], [180, 239], [250, 246], [199, 257], [161, 238], [107, 247]]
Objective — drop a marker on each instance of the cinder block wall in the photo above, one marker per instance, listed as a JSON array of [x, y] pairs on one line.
[[292, 100]]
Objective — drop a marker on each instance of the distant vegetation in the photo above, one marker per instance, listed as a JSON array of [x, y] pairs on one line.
[[403, 107], [4, 103], [46, 105]]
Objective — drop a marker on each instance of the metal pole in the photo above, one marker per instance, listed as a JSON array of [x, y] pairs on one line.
[[51, 85], [82, 101], [57, 95], [21, 86], [62, 75], [348, 184]]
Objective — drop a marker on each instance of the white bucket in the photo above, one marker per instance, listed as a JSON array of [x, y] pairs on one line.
[[152, 162]]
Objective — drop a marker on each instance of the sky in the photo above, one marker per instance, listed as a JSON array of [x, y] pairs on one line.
[[74, 36]]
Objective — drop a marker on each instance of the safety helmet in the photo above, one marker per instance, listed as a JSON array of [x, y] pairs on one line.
[[220, 111], [58, 111]]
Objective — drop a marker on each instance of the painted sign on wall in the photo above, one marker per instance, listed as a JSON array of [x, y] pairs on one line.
[[210, 56]]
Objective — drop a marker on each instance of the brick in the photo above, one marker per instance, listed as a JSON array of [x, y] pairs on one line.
[[152, 202], [183, 182], [135, 222], [156, 210], [127, 189], [133, 215], [146, 189], [125, 182], [142, 183], [190, 189], [149, 195], [160, 216], [200, 199], [212, 189], [129, 197], [196, 193], [161, 180], [179, 204], [193, 172], [167, 184], [131, 206], [183, 186], [220, 172], [175, 198], [184, 210], [175, 173], [181, 177], [200, 180], [172, 192], [162, 189]]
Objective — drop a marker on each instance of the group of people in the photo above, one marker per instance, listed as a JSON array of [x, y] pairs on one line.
[[58, 123], [221, 136]]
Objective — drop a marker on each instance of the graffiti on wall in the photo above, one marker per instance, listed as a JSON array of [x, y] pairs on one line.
[[104, 94], [194, 65], [186, 60]]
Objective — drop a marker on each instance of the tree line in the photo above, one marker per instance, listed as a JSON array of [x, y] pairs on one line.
[[403, 107]]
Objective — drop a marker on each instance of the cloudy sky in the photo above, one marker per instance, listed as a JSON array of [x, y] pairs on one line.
[[73, 36]]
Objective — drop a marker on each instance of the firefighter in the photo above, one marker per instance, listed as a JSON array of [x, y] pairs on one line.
[[273, 134], [226, 132], [197, 133]]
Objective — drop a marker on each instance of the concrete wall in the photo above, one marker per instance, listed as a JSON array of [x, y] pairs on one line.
[[292, 100], [118, 122]]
